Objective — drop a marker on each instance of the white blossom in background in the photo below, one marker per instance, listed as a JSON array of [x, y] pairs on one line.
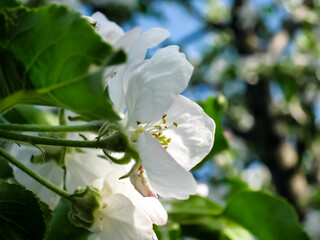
[[171, 133], [127, 3], [311, 223]]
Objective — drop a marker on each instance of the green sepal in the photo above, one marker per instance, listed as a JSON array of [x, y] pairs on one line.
[[85, 203]]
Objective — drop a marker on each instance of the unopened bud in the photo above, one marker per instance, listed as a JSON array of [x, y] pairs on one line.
[[85, 203]]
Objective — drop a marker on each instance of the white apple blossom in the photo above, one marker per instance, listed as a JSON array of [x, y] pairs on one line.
[[135, 43], [122, 206], [171, 133], [124, 214]]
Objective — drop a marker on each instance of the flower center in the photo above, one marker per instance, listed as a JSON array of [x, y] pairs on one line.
[[156, 129]]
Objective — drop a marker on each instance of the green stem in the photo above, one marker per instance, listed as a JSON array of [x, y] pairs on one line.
[[136, 158], [114, 142], [35, 176], [93, 126]]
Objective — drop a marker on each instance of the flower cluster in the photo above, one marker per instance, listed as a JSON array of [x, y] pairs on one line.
[[169, 134]]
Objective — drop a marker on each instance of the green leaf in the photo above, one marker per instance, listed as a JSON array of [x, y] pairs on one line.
[[20, 213], [194, 206], [234, 231], [61, 227], [247, 214], [199, 217], [265, 216], [5, 170], [214, 108], [52, 56], [9, 4], [26, 114], [46, 212]]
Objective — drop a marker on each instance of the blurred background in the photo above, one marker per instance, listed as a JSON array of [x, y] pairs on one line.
[[257, 75]]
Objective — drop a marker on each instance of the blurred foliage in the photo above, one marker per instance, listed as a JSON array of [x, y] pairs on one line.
[[202, 218]]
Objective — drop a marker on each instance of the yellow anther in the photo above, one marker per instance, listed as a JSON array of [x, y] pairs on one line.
[[175, 124], [138, 123], [104, 205], [164, 120], [165, 126], [166, 147], [169, 140], [164, 116], [159, 134], [158, 127], [153, 134]]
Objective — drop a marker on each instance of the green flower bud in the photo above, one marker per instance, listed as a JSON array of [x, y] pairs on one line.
[[85, 203]]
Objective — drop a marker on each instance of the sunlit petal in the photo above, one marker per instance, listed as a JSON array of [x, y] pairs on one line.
[[193, 138], [166, 176], [153, 87], [109, 31], [121, 220]]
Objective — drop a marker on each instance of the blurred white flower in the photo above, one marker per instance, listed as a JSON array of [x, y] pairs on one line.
[[311, 223]]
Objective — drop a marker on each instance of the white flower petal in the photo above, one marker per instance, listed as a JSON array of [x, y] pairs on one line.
[[126, 41], [84, 169], [135, 44], [109, 31], [121, 220], [49, 170], [150, 206], [154, 209], [193, 138], [115, 88], [148, 39], [167, 178], [153, 87]]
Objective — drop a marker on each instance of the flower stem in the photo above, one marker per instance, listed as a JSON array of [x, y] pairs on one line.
[[114, 142], [32, 174], [93, 126]]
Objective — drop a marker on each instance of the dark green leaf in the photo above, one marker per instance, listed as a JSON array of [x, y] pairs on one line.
[[20, 213], [9, 4], [5, 169], [61, 227], [266, 216], [199, 217], [52, 56], [46, 212]]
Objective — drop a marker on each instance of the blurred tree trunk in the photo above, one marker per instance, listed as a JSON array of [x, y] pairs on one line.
[[269, 142]]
